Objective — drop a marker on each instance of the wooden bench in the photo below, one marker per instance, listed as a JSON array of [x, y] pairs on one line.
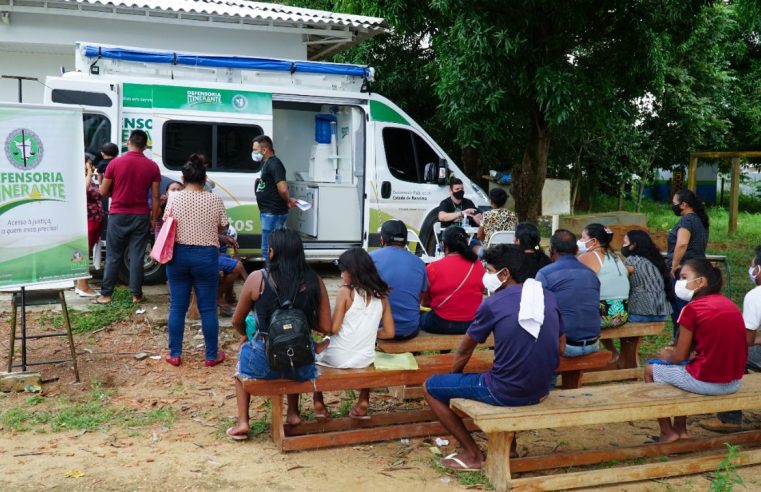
[[617, 403], [381, 427]]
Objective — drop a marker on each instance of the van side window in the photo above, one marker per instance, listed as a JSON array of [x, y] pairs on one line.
[[228, 146], [97, 130], [407, 154]]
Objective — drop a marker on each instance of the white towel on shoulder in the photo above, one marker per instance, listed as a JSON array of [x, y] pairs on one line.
[[531, 313]]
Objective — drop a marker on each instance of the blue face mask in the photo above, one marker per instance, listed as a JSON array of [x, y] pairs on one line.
[[257, 156]]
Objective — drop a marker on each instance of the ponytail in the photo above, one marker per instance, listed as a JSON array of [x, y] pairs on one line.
[[455, 239], [695, 203]]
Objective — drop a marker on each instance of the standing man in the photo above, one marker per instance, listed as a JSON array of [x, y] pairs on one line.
[[405, 275], [577, 290], [271, 190], [127, 181], [455, 208]]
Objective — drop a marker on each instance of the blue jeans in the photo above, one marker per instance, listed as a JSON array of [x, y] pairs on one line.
[[444, 387], [193, 267], [432, 323], [252, 364], [676, 306], [270, 222], [574, 351], [647, 318]]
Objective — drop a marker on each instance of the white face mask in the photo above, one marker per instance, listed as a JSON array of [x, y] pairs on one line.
[[582, 245], [681, 290], [257, 156], [492, 282], [751, 273]]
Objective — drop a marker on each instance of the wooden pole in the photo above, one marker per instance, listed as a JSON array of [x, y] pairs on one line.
[[734, 196], [692, 174]]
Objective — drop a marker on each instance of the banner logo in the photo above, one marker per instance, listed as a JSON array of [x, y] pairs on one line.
[[23, 148], [240, 102]]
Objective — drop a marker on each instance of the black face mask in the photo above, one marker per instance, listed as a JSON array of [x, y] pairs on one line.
[[626, 251], [677, 211], [459, 194]]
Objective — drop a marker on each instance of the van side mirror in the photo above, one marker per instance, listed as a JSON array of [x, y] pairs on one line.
[[443, 173]]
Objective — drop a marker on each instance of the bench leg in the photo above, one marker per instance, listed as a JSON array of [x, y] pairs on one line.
[[498, 459], [629, 357], [571, 380], [278, 431]]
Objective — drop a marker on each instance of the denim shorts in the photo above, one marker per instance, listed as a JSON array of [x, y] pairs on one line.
[[252, 364], [646, 318], [444, 387], [677, 375], [227, 263]]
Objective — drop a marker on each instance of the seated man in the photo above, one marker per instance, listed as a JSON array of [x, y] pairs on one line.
[[405, 275], [577, 290], [526, 352], [232, 269]]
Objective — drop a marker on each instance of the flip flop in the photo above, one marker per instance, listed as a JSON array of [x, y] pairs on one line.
[[236, 437], [321, 417], [354, 413], [462, 466], [101, 303]]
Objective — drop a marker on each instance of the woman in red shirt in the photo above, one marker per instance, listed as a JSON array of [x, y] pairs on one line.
[[712, 327], [454, 286]]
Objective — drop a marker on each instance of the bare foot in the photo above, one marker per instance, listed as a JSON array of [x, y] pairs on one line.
[[359, 412], [239, 429], [320, 412], [293, 419], [319, 347]]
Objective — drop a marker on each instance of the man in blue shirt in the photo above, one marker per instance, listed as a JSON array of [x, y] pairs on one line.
[[405, 274], [577, 290], [524, 360]]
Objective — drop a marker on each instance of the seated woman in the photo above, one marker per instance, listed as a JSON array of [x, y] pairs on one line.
[[528, 238], [712, 327], [295, 280], [614, 279], [651, 294], [496, 219], [361, 306], [454, 286]]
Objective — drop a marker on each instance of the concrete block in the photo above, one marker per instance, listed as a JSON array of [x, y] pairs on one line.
[[20, 381]]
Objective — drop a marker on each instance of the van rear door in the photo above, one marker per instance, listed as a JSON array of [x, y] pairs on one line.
[[100, 107]]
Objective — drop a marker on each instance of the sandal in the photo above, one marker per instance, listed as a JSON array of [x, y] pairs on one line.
[[99, 301], [354, 413], [462, 466], [236, 437]]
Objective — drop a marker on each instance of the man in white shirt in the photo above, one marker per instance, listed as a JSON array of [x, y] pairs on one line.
[[732, 421]]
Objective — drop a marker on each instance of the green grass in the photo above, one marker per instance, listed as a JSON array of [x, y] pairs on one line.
[[98, 316], [42, 414], [466, 479]]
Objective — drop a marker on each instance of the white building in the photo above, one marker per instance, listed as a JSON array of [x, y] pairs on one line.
[[37, 36]]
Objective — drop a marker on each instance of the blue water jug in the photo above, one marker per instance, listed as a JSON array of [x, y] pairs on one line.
[[322, 127]]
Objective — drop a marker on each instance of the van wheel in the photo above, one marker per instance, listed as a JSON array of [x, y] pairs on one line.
[[153, 271]]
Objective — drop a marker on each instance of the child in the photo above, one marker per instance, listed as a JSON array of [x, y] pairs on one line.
[[361, 305], [232, 269]]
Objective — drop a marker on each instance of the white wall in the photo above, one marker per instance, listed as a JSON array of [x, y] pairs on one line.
[[36, 45]]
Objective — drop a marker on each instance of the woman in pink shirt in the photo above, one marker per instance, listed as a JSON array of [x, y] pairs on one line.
[[454, 286]]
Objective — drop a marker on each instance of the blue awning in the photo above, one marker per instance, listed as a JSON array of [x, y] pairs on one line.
[[250, 63]]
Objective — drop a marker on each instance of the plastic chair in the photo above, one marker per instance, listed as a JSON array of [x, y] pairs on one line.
[[437, 235], [502, 237]]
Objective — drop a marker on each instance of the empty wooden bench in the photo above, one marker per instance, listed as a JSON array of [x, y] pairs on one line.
[[381, 427], [613, 403]]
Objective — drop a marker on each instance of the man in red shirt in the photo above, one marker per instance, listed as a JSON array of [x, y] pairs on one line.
[[127, 181]]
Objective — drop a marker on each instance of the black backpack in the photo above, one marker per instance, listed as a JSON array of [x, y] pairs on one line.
[[289, 339]]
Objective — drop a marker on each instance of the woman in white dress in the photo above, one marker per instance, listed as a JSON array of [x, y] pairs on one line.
[[361, 307]]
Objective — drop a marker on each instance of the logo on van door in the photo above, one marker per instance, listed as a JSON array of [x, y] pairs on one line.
[[23, 148], [240, 102]]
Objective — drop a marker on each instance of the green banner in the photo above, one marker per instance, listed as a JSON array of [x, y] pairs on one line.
[[43, 206], [196, 99]]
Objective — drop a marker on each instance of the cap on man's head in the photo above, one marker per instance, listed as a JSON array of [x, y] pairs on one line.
[[394, 231]]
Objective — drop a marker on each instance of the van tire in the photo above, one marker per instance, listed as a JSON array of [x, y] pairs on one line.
[[153, 271]]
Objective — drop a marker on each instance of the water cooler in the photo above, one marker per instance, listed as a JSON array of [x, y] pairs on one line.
[[323, 161]]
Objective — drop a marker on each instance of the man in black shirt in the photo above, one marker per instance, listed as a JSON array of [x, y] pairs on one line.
[[456, 208], [271, 190]]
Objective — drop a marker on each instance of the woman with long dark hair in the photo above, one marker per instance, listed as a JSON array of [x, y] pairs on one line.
[[710, 327], [361, 306], [528, 238], [454, 286], [200, 216], [293, 279], [687, 240], [651, 291]]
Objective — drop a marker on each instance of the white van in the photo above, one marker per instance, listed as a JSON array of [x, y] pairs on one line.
[[356, 156]]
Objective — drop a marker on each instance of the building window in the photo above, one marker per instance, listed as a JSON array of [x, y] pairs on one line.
[[227, 146], [407, 154]]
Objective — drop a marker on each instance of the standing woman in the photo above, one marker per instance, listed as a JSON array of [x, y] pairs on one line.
[[94, 221], [712, 339], [455, 289], [687, 240], [200, 216], [651, 292], [614, 279]]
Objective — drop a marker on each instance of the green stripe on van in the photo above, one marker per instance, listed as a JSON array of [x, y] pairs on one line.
[[196, 99], [383, 112]]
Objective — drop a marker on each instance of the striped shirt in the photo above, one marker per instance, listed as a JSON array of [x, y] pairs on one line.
[[647, 295]]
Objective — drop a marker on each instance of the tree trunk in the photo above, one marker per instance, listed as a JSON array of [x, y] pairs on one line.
[[471, 163], [528, 177]]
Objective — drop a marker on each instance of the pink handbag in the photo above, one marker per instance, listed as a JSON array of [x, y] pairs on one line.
[[163, 247]]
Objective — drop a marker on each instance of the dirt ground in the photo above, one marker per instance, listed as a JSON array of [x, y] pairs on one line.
[[192, 453]]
